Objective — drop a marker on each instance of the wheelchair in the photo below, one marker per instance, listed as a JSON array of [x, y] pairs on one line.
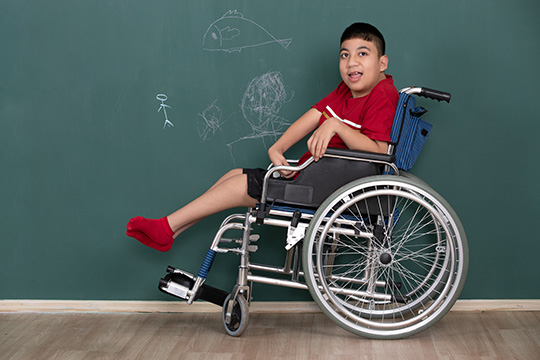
[[381, 253]]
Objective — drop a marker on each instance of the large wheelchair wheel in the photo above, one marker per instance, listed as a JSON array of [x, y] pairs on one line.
[[385, 257]]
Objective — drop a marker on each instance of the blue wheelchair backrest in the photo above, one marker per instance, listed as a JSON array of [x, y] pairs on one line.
[[409, 132]]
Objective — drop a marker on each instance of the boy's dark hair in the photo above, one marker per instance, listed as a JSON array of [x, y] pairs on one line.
[[365, 32]]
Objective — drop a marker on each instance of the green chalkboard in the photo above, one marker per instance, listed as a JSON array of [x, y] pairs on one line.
[[111, 109]]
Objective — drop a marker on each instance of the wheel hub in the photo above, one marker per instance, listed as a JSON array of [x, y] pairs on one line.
[[385, 258]]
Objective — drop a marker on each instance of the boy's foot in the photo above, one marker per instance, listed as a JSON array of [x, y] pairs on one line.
[[155, 233], [145, 240]]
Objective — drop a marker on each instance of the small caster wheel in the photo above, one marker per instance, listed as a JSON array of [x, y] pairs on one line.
[[237, 321]]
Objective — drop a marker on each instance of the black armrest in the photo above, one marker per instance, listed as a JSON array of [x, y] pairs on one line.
[[361, 155], [320, 179]]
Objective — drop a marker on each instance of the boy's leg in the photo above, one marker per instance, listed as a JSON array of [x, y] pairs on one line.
[[228, 175], [228, 192], [232, 173]]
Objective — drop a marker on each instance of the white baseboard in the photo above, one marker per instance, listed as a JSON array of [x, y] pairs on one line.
[[204, 307]]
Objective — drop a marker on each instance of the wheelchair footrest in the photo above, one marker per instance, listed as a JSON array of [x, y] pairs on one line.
[[179, 284]]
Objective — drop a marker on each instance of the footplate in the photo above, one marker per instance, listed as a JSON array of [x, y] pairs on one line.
[[179, 283]]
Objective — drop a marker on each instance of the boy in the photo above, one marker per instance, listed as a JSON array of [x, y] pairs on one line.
[[357, 115]]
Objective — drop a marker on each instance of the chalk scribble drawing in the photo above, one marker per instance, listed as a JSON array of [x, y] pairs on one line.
[[163, 106], [233, 32], [211, 121], [260, 106]]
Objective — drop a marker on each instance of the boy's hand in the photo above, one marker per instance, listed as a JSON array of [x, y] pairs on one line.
[[318, 142], [277, 159]]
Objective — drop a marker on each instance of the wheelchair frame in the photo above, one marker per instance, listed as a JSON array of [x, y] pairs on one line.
[[384, 256]]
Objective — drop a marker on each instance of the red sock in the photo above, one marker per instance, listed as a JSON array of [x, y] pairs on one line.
[[145, 240], [155, 233]]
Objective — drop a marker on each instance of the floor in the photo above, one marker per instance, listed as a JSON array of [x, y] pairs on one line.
[[459, 335]]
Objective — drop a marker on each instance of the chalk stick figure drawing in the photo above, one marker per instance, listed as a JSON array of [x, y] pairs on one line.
[[163, 98], [211, 121], [233, 32], [261, 103]]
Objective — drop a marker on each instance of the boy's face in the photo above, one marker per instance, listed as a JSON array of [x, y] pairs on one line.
[[360, 66]]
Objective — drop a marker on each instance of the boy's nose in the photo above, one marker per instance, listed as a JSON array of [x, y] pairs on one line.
[[353, 60]]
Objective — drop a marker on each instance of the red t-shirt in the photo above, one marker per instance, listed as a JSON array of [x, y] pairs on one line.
[[372, 114]]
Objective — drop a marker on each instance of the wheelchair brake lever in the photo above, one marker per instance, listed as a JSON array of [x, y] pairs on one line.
[[296, 231]]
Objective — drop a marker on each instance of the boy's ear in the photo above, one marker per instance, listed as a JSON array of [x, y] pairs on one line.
[[383, 61]]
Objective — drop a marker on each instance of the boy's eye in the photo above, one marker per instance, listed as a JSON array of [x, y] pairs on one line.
[[362, 53], [344, 55]]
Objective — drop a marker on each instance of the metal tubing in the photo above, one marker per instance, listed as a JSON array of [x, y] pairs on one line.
[[411, 90], [342, 231], [362, 281], [297, 285], [278, 282], [244, 254], [277, 222], [394, 167], [272, 269], [231, 218], [193, 292], [284, 271], [288, 261], [220, 233]]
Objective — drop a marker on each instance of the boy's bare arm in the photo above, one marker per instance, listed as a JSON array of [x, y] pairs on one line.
[[296, 132], [355, 140]]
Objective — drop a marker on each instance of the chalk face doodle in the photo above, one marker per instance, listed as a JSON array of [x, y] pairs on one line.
[[261, 103], [211, 121], [233, 32], [163, 106], [260, 106]]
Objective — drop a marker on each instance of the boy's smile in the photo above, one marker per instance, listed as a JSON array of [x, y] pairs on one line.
[[360, 66]]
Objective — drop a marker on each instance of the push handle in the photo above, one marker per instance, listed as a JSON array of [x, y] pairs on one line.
[[435, 94]]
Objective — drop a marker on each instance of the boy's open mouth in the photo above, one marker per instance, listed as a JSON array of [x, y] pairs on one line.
[[355, 75]]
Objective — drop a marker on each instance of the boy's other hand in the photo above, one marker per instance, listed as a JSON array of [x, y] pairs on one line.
[[318, 142], [278, 159]]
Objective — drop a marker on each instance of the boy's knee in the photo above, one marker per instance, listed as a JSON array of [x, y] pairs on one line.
[[234, 172], [230, 175]]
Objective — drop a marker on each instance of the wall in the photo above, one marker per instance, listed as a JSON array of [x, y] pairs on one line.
[[112, 109]]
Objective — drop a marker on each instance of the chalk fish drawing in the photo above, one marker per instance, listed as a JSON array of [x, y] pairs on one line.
[[233, 32], [261, 103], [163, 98], [211, 121]]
